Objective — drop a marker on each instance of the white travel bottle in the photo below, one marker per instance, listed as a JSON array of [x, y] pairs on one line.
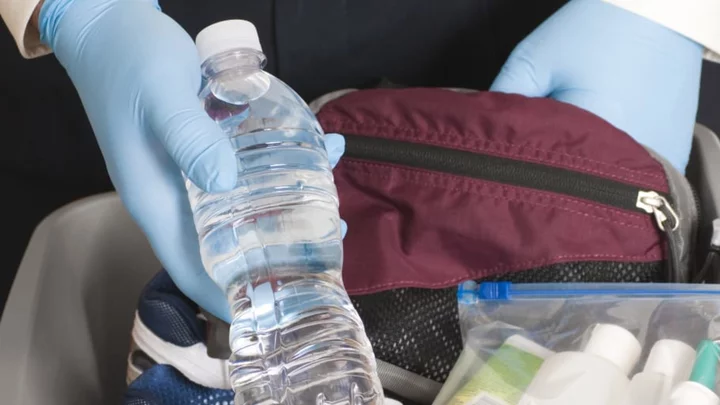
[[698, 390], [670, 361], [598, 375]]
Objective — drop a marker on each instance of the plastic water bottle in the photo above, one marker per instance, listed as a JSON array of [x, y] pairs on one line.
[[273, 244]]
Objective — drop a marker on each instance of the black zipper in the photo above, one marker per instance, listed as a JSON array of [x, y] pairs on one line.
[[495, 169], [518, 173]]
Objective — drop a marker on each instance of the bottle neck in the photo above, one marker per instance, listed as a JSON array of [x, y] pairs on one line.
[[241, 58]]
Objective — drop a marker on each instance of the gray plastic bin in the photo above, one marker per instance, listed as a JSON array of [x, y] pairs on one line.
[[64, 336]]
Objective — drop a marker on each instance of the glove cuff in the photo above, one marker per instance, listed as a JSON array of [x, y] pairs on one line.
[[51, 13]]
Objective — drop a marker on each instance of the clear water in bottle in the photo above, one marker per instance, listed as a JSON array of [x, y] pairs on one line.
[[273, 244]]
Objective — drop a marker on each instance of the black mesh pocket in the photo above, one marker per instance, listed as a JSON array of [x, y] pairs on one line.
[[413, 328], [418, 329]]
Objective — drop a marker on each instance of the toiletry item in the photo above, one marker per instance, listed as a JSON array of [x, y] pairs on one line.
[[598, 375], [505, 376], [670, 362], [678, 319], [699, 389], [464, 369]]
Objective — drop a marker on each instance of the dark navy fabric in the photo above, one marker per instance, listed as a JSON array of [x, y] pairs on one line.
[[170, 314], [172, 317], [164, 385]]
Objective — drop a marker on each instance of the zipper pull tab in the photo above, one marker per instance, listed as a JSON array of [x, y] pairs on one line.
[[653, 203]]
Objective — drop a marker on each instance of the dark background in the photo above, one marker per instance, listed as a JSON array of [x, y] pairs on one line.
[[49, 157]]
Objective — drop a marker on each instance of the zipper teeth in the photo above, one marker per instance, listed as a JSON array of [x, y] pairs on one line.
[[495, 169], [640, 292], [503, 291]]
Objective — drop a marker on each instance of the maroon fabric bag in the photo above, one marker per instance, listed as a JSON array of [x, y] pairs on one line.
[[440, 186]]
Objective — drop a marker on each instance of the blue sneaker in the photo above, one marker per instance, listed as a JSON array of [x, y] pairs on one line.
[[169, 362], [168, 347]]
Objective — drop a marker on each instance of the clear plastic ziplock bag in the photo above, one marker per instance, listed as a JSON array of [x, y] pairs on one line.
[[586, 344]]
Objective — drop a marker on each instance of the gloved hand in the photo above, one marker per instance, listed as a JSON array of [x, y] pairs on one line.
[[636, 74], [138, 75]]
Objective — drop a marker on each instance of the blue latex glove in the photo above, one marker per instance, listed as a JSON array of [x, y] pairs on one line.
[[138, 75], [638, 75]]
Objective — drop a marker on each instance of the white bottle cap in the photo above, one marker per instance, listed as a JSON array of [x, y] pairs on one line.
[[692, 393], [226, 35], [616, 345], [672, 358]]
